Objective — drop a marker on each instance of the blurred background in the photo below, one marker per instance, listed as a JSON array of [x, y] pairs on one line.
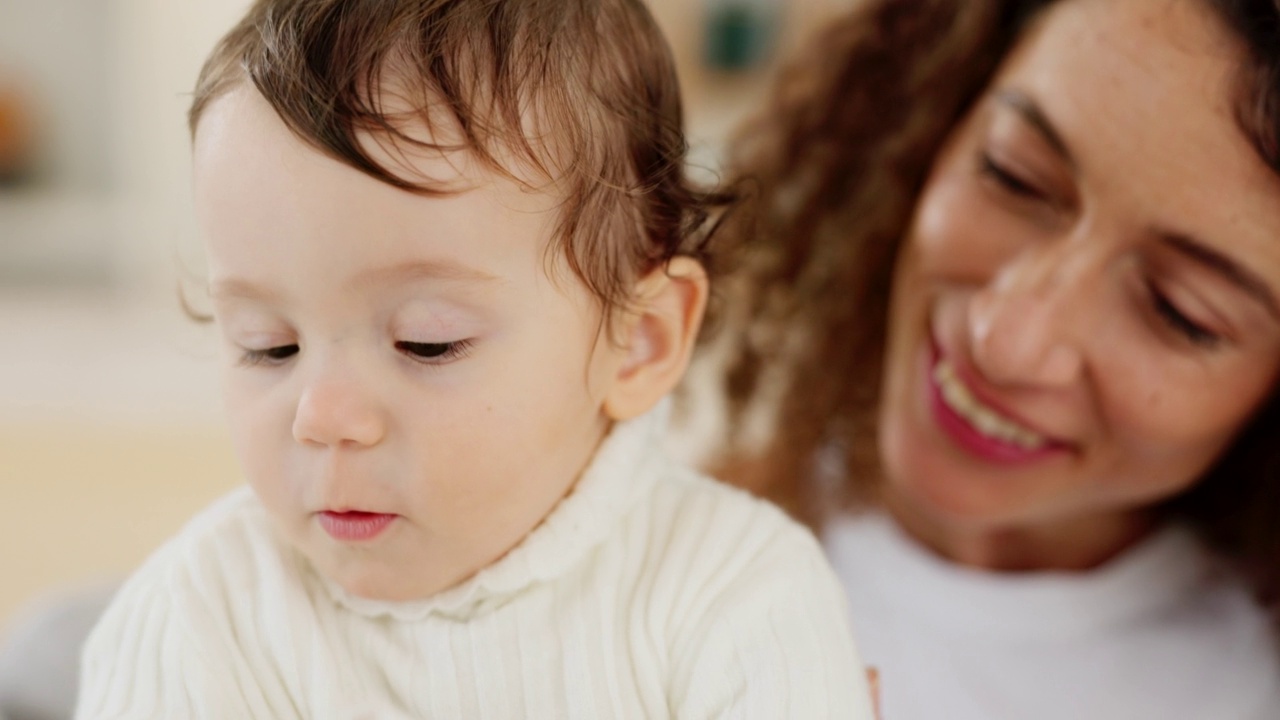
[[110, 432]]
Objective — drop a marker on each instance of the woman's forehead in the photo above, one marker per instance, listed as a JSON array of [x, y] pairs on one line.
[[1142, 57], [1142, 95]]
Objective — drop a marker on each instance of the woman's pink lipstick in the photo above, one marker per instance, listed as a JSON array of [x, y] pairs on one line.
[[354, 525], [968, 437]]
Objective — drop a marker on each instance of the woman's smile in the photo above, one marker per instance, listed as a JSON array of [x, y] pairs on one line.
[[979, 426], [1052, 321]]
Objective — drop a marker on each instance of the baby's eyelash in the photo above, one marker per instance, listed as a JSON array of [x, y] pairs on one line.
[[427, 353], [268, 356], [434, 353]]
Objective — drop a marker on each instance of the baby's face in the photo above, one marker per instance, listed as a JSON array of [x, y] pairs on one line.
[[409, 391]]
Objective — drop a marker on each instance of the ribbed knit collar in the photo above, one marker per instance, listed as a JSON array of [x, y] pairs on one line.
[[626, 465]]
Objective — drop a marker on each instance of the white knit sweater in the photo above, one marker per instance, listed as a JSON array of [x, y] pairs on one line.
[[649, 592]]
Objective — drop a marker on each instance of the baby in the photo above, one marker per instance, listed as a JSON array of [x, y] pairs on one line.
[[456, 266]]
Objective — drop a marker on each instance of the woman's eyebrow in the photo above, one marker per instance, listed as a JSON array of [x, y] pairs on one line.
[[1200, 252], [1234, 272], [1034, 116]]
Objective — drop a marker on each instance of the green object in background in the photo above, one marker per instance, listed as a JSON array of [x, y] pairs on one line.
[[739, 33]]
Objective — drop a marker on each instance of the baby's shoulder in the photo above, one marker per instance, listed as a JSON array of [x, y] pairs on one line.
[[224, 550], [237, 514], [184, 628], [689, 504], [711, 539], [741, 592]]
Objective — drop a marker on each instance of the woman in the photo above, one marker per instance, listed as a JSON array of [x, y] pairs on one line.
[[1013, 301]]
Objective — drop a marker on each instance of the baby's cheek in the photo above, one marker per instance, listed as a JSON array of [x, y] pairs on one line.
[[263, 443]]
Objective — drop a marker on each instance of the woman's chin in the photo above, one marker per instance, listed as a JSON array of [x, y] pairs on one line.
[[932, 488]]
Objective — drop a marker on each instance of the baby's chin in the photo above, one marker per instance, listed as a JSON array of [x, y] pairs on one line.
[[362, 573], [381, 584]]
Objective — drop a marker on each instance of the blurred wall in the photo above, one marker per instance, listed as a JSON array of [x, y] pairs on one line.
[[108, 81], [72, 118]]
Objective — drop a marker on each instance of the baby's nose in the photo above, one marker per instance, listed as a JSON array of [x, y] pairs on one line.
[[335, 410]]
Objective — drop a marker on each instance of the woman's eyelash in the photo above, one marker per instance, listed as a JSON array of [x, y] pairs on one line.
[[1007, 179], [434, 353], [268, 356], [1180, 323]]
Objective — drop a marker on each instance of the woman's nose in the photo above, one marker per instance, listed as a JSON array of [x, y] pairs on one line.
[[1025, 324], [336, 410]]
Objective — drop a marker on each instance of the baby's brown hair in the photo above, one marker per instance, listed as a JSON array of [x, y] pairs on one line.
[[582, 92]]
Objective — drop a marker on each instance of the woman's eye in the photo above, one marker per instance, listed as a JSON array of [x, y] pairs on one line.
[[269, 356], [1008, 180], [435, 353], [1182, 324]]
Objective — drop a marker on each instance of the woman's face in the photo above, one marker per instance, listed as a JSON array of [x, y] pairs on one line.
[[1087, 307]]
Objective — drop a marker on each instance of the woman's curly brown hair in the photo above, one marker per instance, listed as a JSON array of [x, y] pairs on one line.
[[837, 164]]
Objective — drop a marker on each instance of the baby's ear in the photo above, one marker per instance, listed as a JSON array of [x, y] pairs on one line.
[[657, 335]]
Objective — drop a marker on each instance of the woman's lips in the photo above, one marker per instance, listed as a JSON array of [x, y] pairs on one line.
[[354, 525], [980, 429]]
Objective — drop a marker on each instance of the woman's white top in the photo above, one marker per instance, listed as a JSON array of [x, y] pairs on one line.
[[1163, 632], [649, 592]]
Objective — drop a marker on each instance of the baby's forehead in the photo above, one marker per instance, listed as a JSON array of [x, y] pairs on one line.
[[242, 140], [415, 130], [421, 146], [279, 215]]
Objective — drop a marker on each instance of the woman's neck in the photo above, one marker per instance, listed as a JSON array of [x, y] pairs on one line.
[[1070, 544]]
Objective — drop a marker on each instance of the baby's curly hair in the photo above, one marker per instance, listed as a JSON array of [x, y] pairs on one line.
[[582, 92]]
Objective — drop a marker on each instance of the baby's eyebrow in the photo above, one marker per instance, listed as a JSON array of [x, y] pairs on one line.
[[410, 271], [436, 269], [234, 288]]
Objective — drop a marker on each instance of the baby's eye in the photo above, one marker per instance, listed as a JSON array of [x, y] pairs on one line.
[[434, 353], [269, 356]]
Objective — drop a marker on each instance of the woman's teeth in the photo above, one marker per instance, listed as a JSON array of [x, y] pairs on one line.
[[983, 419]]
